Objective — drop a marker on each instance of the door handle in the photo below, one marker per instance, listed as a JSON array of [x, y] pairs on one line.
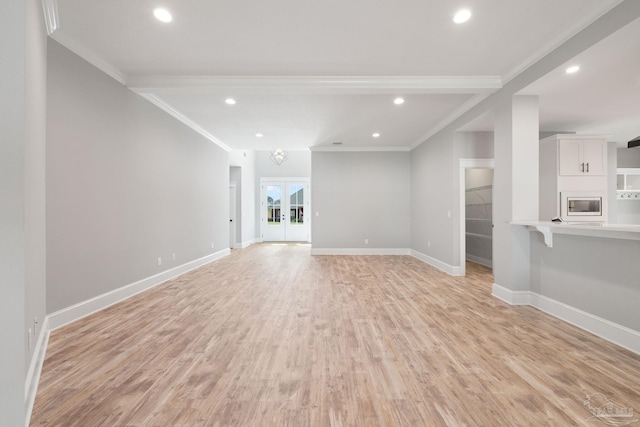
[[230, 220]]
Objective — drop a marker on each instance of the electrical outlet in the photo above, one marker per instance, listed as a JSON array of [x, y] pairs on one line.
[[159, 261], [173, 256], [366, 241], [212, 245], [428, 244]]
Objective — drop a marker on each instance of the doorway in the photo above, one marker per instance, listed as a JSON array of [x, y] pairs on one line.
[[479, 216], [233, 220], [284, 209], [476, 212]]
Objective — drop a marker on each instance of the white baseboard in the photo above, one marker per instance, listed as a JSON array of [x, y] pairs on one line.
[[35, 368], [603, 328], [93, 305], [606, 329], [481, 261], [246, 244], [511, 297], [360, 251], [451, 270]]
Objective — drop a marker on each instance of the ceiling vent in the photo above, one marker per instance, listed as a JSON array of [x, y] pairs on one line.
[[635, 142]]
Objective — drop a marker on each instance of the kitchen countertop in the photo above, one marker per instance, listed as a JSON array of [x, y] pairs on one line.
[[601, 230]]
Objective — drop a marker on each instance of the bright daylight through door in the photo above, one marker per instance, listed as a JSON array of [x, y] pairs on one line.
[[284, 205]]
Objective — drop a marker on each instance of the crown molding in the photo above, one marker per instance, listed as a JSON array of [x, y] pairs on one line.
[[89, 56], [51, 19], [182, 118], [304, 84], [357, 149]]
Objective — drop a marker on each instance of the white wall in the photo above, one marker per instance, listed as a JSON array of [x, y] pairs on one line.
[[360, 195], [126, 184], [22, 197], [298, 164]]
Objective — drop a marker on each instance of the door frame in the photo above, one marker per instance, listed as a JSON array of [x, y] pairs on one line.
[[464, 165], [233, 189], [305, 180]]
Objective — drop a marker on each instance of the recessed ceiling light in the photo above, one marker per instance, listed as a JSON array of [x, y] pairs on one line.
[[162, 15], [398, 101], [376, 135], [230, 101], [461, 16], [573, 69], [259, 135]]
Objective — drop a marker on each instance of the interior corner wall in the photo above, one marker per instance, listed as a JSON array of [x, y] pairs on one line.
[[246, 160], [434, 199], [126, 184], [358, 196]]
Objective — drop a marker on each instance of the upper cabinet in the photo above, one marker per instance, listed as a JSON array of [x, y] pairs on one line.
[[582, 156]]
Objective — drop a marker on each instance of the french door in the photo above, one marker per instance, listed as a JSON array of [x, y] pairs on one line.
[[285, 210]]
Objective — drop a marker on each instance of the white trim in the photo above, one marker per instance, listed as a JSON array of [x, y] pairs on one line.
[[246, 244], [451, 270], [464, 165], [359, 149], [89, 56], [51, 19], [481, 261], [184, 119], [613, 332], [511, 297], [603, 328], [307, 202], [35, 368], [321, 84], [360, 251], [93, 305]]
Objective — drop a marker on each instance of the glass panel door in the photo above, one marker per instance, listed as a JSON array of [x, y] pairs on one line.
[[283, 211]]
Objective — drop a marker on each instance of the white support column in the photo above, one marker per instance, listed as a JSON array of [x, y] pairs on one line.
[[515, 192]]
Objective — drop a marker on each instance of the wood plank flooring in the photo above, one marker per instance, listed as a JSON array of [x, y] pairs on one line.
[[272, 336]]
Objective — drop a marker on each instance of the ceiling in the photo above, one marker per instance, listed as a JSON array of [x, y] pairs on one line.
[[310, 74]]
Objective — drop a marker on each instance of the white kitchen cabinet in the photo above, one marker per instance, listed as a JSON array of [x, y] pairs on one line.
[[570, 163], [582, 157]]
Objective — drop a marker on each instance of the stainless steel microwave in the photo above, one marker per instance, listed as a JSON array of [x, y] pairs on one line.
[[583, 206]]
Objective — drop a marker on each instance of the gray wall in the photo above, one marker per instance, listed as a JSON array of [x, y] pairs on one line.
[[246, 161], [22, 196], [126, 184], [599, 276], [434, 199], [435, 191], [360, 195], [628, 157]]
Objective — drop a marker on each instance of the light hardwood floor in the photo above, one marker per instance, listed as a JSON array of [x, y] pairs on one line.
[[271, 336]]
